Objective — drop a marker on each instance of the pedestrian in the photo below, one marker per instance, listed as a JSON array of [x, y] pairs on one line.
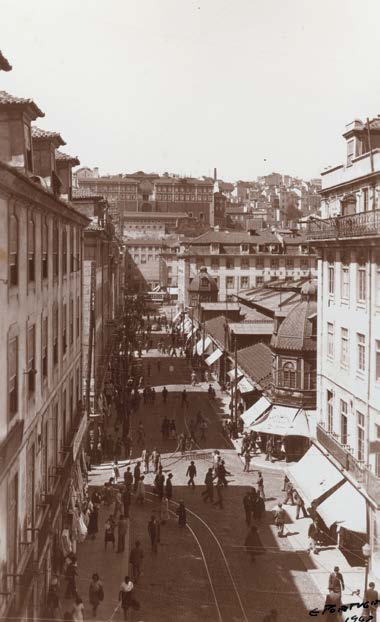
[[128, 478], [136, 476], [95, 593], [92, 527], [191, 473], [193, 378], [153, 458], [289, 490], [154, 533], [312, 533], [209, 492], [269, 449], [126, 500], [336, 581], [300, 505], [118, 503], [157, 461], [136, 557], [77, 614], [140, 491], [169, 486], [372, 596], [279, 519], [260, 485], [184, 401], [258, 508], [247, 461], [164, 510], [153, 395], [109, 532], [164, 394], [181, 513], [159, 482], [173, 430], [71, 573], [247, 504], [222, 472], [125, 596], [52, 601], [332, 603], [122, 526], [286, 479]]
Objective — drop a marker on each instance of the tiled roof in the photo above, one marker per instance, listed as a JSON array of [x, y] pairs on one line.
[[196, 284], [38, 134], [236, 237], [296, 330], [4, 65], [220, 306], [252, 328], [85, 193], [215, 329], [272, 300], [256, 362], [64, 157], [153, 215], [10, 100], [144, 242]]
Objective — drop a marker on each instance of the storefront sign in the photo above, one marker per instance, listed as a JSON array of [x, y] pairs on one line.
[[79, 436]]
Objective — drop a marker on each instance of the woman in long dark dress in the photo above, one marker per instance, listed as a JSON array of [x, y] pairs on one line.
[[181, 513], [92, 528]]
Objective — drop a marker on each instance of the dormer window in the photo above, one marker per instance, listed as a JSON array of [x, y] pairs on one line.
[[304, 249], [245, 248], [214, 248]]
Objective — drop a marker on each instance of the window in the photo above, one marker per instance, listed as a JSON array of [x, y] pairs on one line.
[[290, 263], [12, 377], [245, 248], [365, 199], [64, 250], [345, 279], [259, 281], [230, 282], [214, 264], [55, 248], [360, 340], [64, 329], [344, 347], [45, 246], [244, 263], [274, 264], [71, 322], [377, 363], [31, 250], [289, 375], [55, 335], [31, 369], [331, 277], [330, 339], [361, 280], [343, 422], [244, 282], [230, 264], [330, 411], [44, 348], [361, 420], [13, 251]]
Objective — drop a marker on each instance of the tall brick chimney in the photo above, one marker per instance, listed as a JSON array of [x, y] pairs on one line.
[[44, 145], [16, 115]]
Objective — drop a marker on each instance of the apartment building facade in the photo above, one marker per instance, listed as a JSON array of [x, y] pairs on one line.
[[347, 240], [41, 417]]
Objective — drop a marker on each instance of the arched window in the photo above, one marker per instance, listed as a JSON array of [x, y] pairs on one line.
[[289, 375]]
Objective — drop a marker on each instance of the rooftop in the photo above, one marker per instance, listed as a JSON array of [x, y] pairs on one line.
[[220, 306], [85, 193], [55, 137], [215, 328], [256, 362], [19, 102], [297, 331], [4, 64], [154, 215], [64, 157], [273, 300], [252, 328], [263, 236]]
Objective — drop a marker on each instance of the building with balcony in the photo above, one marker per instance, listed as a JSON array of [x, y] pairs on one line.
[[41, 417], [347, 240]]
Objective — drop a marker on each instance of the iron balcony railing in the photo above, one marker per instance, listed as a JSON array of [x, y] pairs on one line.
[[365, 224]]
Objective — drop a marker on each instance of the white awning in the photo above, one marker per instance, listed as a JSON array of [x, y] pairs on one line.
[[201, 349], [214, 356], [245, 386], [231, 374], [314, 475], [188, 325], [176, 317], [255, 411], [284, 421], [346, 507], [191, 333]]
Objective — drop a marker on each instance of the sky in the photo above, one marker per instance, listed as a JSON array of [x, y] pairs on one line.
[[247, 86]]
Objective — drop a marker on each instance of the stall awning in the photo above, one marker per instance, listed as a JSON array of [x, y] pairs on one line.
[[245, 385], [346, 507], [214, 356], [284, 421], [255, 411], [191, 333], [314, 475], [202, 349], [231, 374], [176, 317]]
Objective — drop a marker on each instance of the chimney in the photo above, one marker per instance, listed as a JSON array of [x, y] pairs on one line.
[[16, 115], [44, 163], [215, 175], [64, 165]]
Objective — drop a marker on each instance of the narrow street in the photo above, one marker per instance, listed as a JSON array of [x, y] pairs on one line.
[[202, 572]]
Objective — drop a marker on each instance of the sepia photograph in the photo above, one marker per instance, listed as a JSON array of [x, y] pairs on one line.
[[190, 310]]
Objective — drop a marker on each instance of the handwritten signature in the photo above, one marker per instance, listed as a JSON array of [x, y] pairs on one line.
[[372, 604]]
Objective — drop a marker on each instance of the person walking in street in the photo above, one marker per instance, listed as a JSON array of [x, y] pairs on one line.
[[53, 605], [116, 472], [300, 505], [279, 519], [140, 434], [184, 401], [336, 581], [128, 478], [313, 533], [258, 505], [260, 485], [136, 557], [372, 596], [193, 378], [122, 527], [70, 575], [181, 513], [136, 476], [159, 482], [191, 473], [247, 461], [169, 486], [164, 394], [92, 527], [125, 596], [157, 461], [95, 593], [118, 503], [247, 504], [109, 532], [153, 458], [77, 613], [154, 533], [209, 492], [164, 510], [222, 472], [269, 449], [289, 490]]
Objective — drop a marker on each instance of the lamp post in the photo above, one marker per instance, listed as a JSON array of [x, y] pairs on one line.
[[366, 550]]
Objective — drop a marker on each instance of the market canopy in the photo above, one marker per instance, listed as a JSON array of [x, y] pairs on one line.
[[245, 385], [346, 507], [176, 317], [214, 356], [283, 420], [202, 345], [314, 475], [255, 411]]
